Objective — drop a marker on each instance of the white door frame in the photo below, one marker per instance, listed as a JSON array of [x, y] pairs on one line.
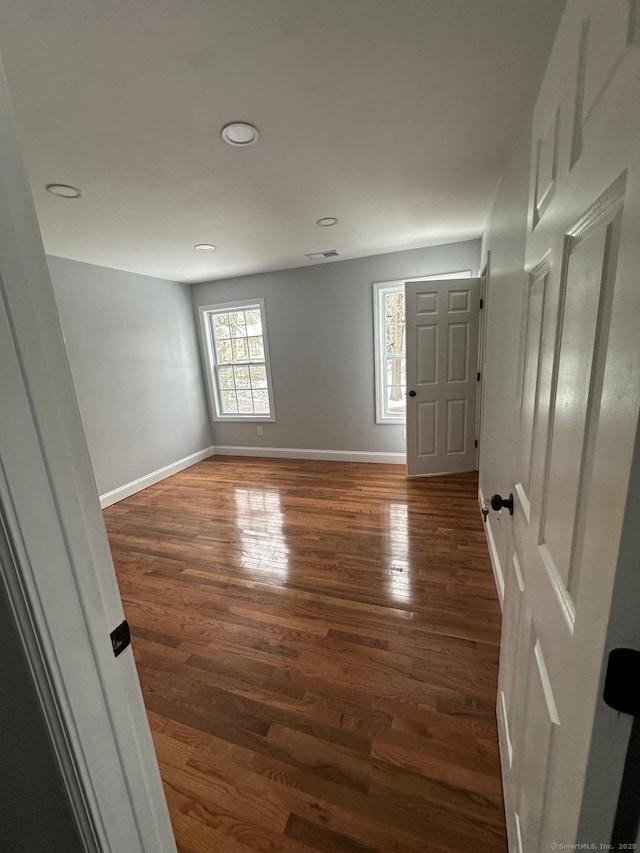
[[484, 273], [61, 581]]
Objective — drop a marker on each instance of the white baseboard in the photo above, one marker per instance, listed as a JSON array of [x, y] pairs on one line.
[[298, 453], [141, 483], [498, 573]]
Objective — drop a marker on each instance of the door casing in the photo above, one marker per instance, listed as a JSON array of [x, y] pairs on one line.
[[61, 580]]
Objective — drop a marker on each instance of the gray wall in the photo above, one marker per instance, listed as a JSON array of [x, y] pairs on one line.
[[505, 241], [505, 238], [134, 358], [321, 342]]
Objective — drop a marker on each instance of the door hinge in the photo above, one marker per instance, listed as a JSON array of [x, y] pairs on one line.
[[475, 443], [481, 304], [478, 376], [120, 638]]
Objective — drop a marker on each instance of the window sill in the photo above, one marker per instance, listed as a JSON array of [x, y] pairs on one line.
[[399, 421], [239, 419]]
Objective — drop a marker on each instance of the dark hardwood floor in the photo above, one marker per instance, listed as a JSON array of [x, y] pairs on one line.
[[317, 644]]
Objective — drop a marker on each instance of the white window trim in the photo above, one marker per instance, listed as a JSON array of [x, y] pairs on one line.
[[379, 289], [206, 340]]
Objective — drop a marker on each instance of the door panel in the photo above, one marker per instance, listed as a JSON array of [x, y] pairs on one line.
[[578, 418], [458, 352], [427, 354], [456, 426], [539, 718], [530, 405], [442, 342], [607, 33], [512, 659], [427, 302], [427, 428], [459, 300], [546, 168], [583, 302]]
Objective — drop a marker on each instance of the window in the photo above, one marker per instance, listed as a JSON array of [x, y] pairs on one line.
[[237, 357], [390, 366]]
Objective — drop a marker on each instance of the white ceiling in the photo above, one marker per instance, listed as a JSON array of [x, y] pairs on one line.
[[395, 116]]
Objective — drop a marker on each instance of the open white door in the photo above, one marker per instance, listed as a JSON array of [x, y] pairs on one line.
[[60, 579], [442, 351], [578, 420]]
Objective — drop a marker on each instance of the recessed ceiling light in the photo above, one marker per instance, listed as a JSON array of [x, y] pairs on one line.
[[64, 191], [240, 134], [204, 247], [326, 221]]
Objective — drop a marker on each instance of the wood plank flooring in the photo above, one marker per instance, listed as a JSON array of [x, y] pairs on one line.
[[317, 644]]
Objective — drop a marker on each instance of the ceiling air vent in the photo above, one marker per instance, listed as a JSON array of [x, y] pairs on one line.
[[318, 256]]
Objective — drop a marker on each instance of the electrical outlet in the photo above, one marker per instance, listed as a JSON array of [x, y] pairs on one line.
[[259, 430]]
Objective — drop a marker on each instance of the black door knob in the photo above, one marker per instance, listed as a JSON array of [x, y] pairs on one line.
[[498, 503], [412, 393]]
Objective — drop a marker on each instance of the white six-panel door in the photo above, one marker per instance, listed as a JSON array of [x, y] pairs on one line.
[[580, 389], [442, 352]]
